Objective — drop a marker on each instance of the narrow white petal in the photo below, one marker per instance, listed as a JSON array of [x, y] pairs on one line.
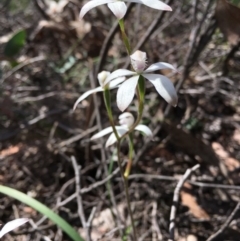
[[104, 132], [144, 129], [158, 66], [112, 138], [92, 4], [121, 131], [126, 92], [119, 9], [86, 94], [164, 87], [12, 225], [119, 73], [153, 4], [114, 83]]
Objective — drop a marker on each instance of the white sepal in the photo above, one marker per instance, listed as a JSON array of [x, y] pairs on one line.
[[112, 138], [92, 4], [114, 83], [126, 92], [86, 94], [158, 66], [105, 131], [156, 4], [119, 73], [12, 225], [118, 8], [102, 133], [144, 129], [164, 87]]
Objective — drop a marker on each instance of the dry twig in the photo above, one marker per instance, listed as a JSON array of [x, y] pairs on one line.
[[18, 67], [195, 183], [156, 232], [79, 197], [176, 199], [226, 224]]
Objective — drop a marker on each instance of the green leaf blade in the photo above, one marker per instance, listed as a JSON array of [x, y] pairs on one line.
[[15, 44], [67, 228]]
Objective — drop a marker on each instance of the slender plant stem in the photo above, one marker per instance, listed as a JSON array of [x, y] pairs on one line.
[[109, 186], [130, 156], [124, 36], [125, 181], [107, 101]]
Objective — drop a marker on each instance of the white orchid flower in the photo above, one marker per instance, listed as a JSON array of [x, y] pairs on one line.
[[8, 227], [102, 77], [119, 8], [126, 120], [126, 91]]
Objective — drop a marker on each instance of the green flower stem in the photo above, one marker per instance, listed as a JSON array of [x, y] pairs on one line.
[[141, 96], [109, 190], [107, 101], [125, 181], [130, 156], [124, 36]]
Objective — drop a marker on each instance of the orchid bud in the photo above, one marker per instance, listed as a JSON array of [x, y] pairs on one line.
[[138, 61], [126, 119], [102, 76]]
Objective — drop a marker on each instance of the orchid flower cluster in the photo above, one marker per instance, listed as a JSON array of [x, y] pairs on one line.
[[126, 120], [128, 83], [127, 89]]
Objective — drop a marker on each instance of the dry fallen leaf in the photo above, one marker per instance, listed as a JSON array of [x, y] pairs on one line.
[[190, 201], [231, 163], [29, 210], [9, 151]]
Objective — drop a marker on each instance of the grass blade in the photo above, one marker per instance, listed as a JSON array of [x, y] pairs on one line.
[[67, 228]]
